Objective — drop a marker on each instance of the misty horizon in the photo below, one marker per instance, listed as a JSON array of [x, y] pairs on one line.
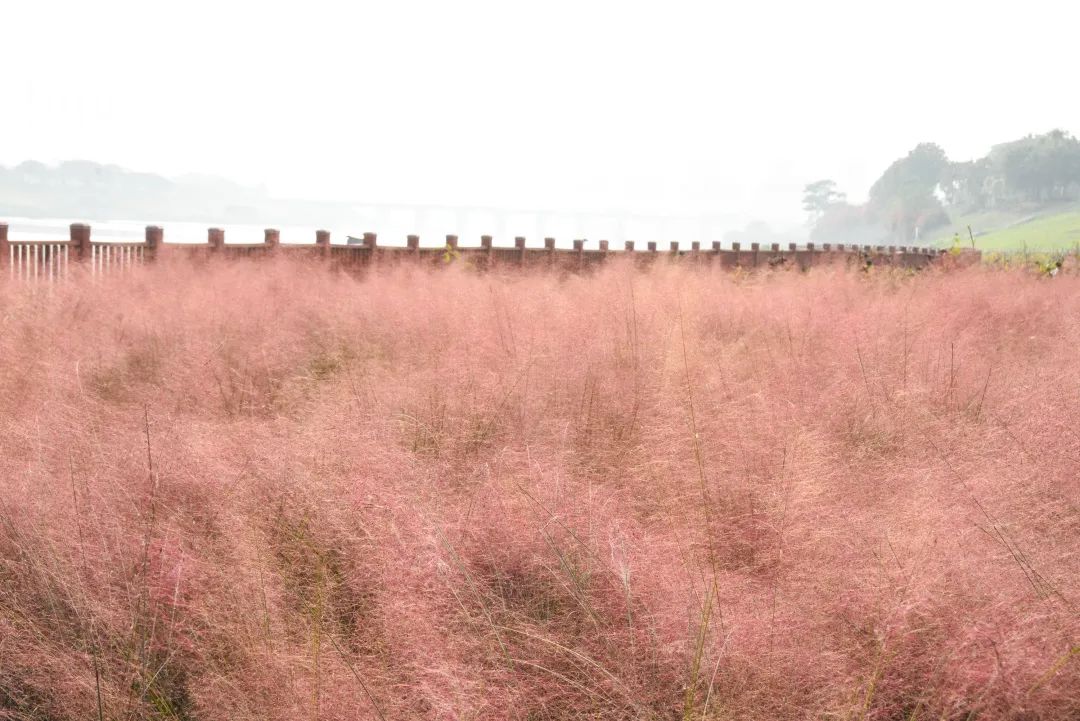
[[88, 190], [699, 110]]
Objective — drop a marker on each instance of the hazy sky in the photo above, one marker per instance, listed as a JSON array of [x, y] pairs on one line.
[[663, 107]]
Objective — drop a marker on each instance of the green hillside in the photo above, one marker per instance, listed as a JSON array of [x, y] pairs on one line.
[[1046, 229], [1053, 232]]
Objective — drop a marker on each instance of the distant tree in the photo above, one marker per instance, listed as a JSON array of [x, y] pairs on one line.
[[970, 185], [31, 172], [908, 217], [907, 200], [915, 175], [904, 198], [1040, 167], [819, 196]]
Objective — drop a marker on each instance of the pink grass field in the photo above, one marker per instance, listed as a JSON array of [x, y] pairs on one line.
[[269, 491]]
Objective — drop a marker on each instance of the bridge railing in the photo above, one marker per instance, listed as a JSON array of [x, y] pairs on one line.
[[51, 260], [36, 260]]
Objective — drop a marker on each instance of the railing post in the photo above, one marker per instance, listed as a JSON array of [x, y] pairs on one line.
[[792, 247], [629, 246], [80, 241], [549, 246], [5, 246], [519, 243], [695, 249], [673, 248], [155, 236], [651, 246], [451, 253], [579, 251], [272, 240], [412, 242], [603, 249], [755, 251], [322, 243], [215, 237], [485, 252], [370, 243]]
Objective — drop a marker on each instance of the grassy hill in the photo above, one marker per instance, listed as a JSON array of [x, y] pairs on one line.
[[1055, 232], [1050, 228]]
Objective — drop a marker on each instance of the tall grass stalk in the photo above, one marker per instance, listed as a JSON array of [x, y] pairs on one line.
[[268, 491]]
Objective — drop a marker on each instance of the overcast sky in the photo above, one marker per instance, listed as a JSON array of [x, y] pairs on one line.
[[666, 107]]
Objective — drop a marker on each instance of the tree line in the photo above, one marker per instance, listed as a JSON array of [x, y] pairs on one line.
[[88, 190], [915, 193]]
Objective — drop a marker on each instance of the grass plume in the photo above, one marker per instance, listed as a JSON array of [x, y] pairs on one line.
[[270, 491]]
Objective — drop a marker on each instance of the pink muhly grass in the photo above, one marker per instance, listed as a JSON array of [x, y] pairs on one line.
[[673, 493]]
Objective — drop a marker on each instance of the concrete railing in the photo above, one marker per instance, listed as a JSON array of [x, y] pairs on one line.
[[48, 260]]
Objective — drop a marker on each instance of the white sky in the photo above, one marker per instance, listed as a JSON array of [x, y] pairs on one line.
[[663, 107]]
